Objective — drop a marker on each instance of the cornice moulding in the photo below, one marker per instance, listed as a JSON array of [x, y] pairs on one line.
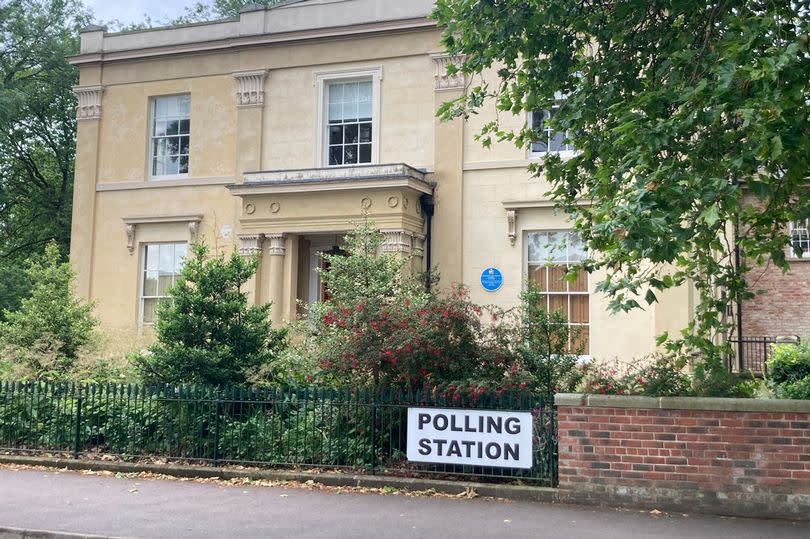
[[238, 42]]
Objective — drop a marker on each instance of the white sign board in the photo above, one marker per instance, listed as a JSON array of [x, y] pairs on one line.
[[470, 437]]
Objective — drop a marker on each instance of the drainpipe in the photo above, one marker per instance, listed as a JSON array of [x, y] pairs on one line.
[[426, 201], [737, 262]]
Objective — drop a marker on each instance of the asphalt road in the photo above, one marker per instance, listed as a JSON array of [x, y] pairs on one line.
[[104, 505]]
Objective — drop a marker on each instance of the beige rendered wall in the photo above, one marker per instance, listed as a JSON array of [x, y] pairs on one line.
[[115, 277], [621, 336], [470, 226]]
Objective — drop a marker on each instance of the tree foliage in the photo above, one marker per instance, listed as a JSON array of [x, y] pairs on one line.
[[196, 13], [208, 332], [37, 132], [52, 327], [690, 120]]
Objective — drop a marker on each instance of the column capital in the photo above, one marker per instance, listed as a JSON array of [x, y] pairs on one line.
[[397, 241], [444, 81], [276, 245], [89, 106], [250, 88], [250, 244]]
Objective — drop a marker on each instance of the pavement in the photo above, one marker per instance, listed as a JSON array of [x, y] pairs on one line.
[[135, 507]]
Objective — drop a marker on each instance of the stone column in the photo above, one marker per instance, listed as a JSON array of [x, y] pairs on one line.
[[447, 244], [250, 245], [88, 114], [290, 311], [272, 284], [398, 242]]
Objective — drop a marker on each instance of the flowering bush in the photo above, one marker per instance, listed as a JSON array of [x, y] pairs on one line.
[[380, 325], [657, 376]]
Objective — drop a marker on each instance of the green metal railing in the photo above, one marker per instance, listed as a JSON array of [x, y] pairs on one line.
[[309, 427]]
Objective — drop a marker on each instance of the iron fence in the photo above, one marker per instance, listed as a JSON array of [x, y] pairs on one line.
[[352, 428], [751, 353]]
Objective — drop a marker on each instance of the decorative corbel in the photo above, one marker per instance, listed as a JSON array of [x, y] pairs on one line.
[[193, 231], [511, 225], [131, 238]]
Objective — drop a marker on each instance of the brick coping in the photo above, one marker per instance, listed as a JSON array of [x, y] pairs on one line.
[[682, 403]]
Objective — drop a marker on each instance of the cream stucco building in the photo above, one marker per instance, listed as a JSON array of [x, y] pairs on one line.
[[272, 132]]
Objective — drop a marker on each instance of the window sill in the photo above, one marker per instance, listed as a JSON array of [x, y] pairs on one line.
[[168, 177], [536, 156], [161, 183]]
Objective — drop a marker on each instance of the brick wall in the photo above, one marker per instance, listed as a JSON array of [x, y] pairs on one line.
[[784, 308], [638, 451]]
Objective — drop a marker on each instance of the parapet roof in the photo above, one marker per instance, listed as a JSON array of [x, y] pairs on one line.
[[293, 20]]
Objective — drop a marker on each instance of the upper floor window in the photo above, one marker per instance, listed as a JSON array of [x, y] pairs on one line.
[[550, 254], [350, 129], [799, 238], [548, 140], [169, 134]]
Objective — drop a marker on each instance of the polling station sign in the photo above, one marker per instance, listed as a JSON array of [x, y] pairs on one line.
[[471, 437]]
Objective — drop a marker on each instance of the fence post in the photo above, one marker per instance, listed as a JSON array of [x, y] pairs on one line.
[[373, 430], [216, 433], [77, 446]]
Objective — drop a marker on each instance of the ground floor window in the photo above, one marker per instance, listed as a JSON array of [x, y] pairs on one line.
[[799, 239], [550, 254], [162, 263]]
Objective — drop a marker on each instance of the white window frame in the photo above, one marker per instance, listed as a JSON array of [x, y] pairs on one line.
[[527, 264], [564, 154], [791, 227], [321, 81], [142, 277], [149, 137]]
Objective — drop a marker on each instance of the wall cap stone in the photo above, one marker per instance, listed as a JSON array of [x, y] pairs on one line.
[[683, 403]]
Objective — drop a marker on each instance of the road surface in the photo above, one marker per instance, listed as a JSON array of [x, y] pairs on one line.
[[143, 508]]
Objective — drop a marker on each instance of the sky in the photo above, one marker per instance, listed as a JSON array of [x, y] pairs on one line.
[[129, 11]]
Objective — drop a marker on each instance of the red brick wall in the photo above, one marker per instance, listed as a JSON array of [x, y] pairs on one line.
[[735, 463], [784, 309]]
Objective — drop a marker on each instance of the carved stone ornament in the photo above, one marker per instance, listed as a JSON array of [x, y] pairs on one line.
[[511, 225], [250, 244], [419, 245], [397, 241], [193, 231], [89, 106], [457, 81], [365, 203], [250, 88], [276, 247], [131, 238]]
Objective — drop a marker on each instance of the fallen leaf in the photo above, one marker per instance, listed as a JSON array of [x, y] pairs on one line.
[[655, 512]]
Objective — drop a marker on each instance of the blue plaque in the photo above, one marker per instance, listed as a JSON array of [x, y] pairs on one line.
[[491, 279]]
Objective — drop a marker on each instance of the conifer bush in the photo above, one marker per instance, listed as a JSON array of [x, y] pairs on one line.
[[206, 331], [44, 338]]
